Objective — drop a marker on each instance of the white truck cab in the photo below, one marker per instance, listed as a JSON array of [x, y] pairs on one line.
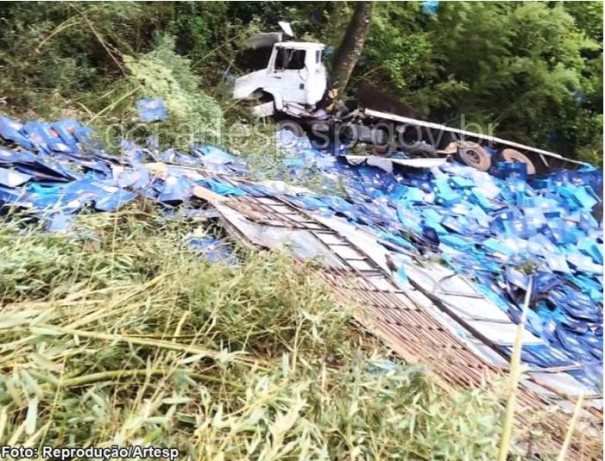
[[295, 81], [295, 76]]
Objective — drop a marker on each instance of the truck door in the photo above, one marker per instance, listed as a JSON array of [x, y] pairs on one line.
[[317, 82], [289, 74]]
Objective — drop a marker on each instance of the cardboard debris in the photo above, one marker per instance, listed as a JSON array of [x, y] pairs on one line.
[[489, 229]]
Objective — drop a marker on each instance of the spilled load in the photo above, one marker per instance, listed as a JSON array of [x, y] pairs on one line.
[[293, 85], [442, 256]]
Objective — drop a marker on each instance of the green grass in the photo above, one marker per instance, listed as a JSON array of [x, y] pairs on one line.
[[118, 333]]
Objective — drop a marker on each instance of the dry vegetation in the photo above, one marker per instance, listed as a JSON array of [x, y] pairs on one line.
[[119, 333]]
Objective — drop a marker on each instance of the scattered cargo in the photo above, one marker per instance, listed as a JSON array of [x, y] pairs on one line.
[[478, 236]]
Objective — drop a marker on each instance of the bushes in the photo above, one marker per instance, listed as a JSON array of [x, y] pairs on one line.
[[52, 54], [534, 70], [162, 73]]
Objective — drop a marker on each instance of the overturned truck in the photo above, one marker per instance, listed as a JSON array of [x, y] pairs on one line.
[[293, 87]]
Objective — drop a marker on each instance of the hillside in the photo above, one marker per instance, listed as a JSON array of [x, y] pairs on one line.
[[200, 280]]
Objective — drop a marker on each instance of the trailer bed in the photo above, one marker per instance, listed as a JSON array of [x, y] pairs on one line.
[[459, 134]]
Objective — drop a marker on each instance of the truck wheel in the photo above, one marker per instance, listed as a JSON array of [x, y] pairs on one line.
[[472, 154], [512, 155]]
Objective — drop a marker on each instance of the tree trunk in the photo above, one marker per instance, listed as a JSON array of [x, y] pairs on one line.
[[350, 48]]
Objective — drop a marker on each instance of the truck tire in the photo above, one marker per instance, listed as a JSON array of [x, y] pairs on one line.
[[472, 154], [512, 155]]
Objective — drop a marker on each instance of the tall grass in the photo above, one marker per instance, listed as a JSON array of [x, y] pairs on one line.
[[513, 382], [118, 333]]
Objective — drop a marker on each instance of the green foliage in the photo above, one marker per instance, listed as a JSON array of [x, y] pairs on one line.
[[531, 69], [53, 53], [209, 34], [521, 62], [397, 48], [163, 73], [513, 65]]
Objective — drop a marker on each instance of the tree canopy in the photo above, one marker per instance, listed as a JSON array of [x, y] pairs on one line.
[[531, 69]]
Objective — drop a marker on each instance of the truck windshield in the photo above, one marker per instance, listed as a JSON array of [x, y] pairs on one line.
[[288, 59]]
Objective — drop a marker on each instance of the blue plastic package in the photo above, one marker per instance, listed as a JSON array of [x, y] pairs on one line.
[[151, 110], [12, 178], [10, 130]]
